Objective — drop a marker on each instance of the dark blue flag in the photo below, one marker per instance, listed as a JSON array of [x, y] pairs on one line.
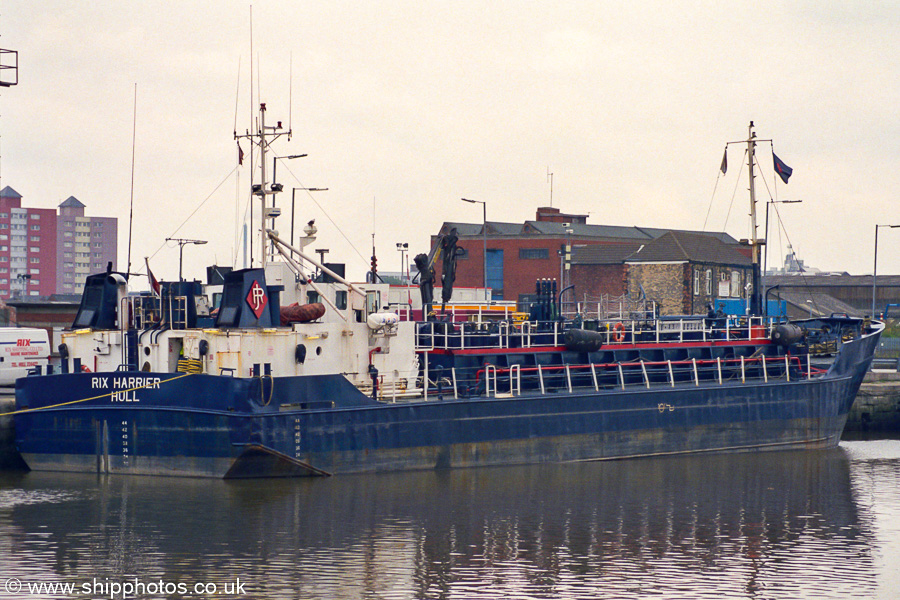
[[782, 169]]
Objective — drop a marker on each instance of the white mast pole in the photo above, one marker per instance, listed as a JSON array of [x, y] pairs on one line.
[[262, 193], [754, 240], [751, 153]]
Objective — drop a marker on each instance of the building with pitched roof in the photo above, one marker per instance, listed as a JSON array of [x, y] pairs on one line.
[[45, 252], [592, 258], [686, 272]]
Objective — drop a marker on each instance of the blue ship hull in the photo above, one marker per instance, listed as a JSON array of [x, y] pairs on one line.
[[221, 426]]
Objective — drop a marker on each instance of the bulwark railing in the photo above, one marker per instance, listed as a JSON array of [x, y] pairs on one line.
[[438, 335], [495, 381], [505, 382]]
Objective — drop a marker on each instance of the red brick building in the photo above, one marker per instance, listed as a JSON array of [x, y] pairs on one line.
[[599, 270], [518, 254]]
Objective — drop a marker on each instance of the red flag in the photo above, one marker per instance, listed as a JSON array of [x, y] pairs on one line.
[[240, 154], [154, 284]]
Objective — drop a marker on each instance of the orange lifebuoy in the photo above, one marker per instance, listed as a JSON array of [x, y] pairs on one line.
[[85, 369], [618, 332]]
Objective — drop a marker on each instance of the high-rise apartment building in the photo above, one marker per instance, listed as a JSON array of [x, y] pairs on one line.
[[43, 252]]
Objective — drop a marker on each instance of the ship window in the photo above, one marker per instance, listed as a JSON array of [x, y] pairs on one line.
[[340, 299], [312, 297]]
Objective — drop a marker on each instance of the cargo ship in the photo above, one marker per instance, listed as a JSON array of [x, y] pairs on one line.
[[295, 371]]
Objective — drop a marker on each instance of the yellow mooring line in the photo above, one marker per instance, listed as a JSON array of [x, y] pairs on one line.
[[155, 383]]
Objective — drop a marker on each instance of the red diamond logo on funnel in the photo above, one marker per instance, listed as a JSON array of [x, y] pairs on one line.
[[256, 299]]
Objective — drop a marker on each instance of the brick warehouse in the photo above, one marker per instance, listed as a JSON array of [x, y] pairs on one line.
[[519, 254]]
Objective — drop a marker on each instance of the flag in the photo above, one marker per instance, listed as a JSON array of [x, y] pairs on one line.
[[724, 167], [782, 169], [240, 154], [154, 284]]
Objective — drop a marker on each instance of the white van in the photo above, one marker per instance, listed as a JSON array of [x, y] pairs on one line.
[[21, 349]]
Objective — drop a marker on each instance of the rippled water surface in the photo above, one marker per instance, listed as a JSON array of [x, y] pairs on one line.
[[778, 525]]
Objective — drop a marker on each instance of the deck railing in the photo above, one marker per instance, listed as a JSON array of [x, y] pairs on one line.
[[493, 381], [537, 334], [149, 311]]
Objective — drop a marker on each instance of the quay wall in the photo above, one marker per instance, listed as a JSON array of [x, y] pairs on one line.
[[877, 405], [9, 458]]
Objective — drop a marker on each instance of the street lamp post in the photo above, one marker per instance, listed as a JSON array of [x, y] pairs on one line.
[[23, 283], [875, 266], [321, 252], [181, 244], [403, 248], [483, 234], [766, 255], [293, 197]]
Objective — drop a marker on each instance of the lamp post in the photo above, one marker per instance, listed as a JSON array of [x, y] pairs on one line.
[[766, 255], [294, 195], [875, 266], [181, 244], [403, 248], [567, 253], [321, 252], [23, 283], [483, 234]]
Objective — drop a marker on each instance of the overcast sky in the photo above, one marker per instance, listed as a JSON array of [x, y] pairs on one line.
[[404, 107]]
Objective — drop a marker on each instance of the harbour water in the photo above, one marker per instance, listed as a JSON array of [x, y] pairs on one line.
[[757, 526]]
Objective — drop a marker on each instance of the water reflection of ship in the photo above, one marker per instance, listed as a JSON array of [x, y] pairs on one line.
[[784, 522]]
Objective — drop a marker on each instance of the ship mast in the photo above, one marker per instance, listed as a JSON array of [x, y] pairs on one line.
[[755, 308], [262, 191], [264, 135]]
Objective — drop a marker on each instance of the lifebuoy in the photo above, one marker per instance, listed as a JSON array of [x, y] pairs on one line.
[[618, 332], [85, 369]]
